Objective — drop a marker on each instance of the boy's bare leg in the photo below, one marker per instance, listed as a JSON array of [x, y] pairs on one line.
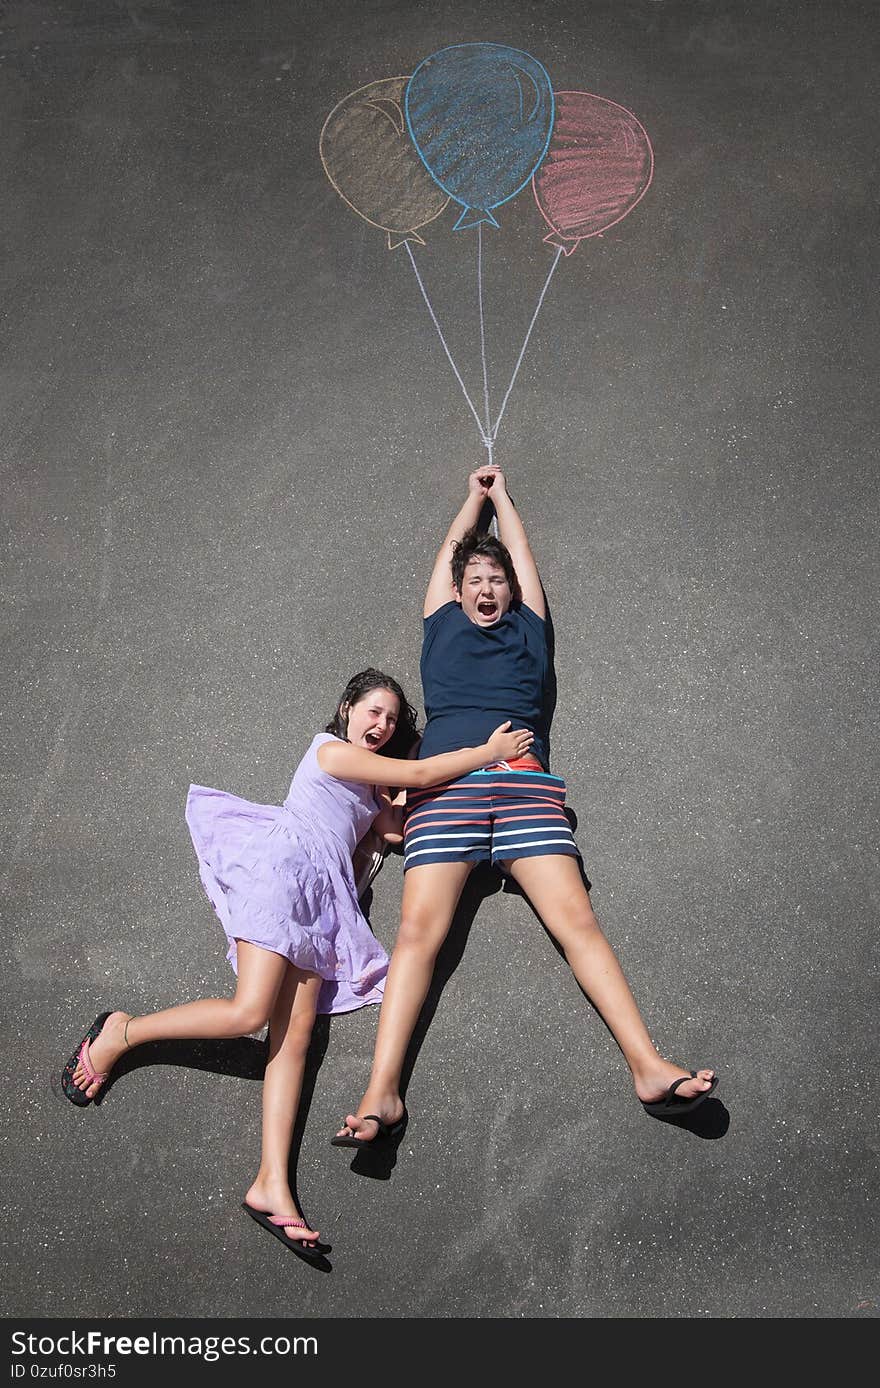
[[553, 885], [430, 896]]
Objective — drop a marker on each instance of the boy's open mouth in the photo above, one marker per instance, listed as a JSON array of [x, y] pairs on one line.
[[487, 609]]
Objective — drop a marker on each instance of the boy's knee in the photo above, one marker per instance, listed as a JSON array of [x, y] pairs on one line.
[[582, 917], [422, 932]]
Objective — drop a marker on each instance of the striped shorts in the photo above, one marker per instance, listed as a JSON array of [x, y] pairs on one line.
[[488, 816]]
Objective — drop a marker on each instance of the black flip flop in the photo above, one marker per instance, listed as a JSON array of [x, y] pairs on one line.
[[313, 1256], [388, 1132], [670, 1106], [69, 1089]]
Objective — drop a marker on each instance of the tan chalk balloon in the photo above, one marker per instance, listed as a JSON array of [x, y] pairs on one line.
[[371, 161]]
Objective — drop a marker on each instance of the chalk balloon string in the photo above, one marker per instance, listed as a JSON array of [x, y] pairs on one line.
[[494, 430], [488, 432], [483, 435]]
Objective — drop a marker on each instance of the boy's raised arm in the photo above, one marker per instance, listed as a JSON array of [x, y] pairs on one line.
[[440, 589], [512, 533]]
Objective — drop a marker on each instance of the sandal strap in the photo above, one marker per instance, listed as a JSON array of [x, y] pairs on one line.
[[85, 1062], [671, 1091]]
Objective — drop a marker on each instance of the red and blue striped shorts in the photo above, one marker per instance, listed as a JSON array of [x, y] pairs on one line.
[[488, 816]]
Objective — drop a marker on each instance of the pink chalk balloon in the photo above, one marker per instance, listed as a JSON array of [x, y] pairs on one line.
[[599, 165]]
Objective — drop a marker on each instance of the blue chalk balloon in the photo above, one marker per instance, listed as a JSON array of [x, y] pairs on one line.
[[480, 116]]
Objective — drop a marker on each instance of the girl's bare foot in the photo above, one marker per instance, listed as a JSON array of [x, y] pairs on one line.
[[104, 1052], [273, 1197]]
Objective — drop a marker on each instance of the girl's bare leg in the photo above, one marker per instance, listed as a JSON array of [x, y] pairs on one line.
[[260, 974], [553, 885], [290, 1031], [430, 896]]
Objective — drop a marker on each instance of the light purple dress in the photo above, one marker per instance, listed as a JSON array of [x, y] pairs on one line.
[[281, 877]]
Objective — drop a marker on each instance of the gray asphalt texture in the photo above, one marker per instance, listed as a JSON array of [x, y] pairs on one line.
[[231, 445]]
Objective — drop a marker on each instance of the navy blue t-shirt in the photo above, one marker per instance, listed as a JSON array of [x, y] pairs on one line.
[[474, 677]]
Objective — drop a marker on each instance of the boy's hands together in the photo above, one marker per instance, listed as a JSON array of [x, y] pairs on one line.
[[487, 481]]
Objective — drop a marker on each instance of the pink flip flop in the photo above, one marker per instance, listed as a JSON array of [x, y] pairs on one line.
[[81, 1057], [276, 1224]]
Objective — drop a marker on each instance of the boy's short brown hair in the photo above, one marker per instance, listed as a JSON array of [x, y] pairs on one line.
[[478, 544]]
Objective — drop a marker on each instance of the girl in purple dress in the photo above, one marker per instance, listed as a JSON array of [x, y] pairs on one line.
[[281, 881]]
